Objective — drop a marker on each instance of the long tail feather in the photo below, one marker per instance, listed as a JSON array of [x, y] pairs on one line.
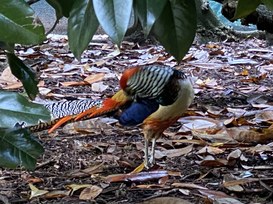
[[85, 113], [60, 123], [109, 105]]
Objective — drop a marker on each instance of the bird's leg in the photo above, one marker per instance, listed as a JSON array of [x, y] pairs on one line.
[[152, 154], [146, 153], [149, 159]]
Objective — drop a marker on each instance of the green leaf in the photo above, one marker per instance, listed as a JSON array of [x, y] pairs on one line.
[[18, 148], [62, 7], [82, 25], [25, 74], [15, 109], [7, 46], [245, 7], [114, 17], [18, 23], [268, 3], [148, 12], [175, 28]]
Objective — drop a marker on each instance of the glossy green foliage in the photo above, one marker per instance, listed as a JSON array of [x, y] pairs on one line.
[[245, 7], [82, 25], [62, 7], [19, 148], [268, 3], [175, 28], [148, 12], [25, 74], [18, 23], [16, 109], [114, 17]]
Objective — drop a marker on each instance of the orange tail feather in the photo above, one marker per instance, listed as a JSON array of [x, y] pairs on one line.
[[85, 113], [109, 105], [60, 122]]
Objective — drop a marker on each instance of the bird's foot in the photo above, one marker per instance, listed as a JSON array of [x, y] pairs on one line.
[[149, 163], [149, 160]]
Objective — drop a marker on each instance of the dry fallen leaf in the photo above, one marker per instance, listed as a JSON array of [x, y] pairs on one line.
[[73, 83], [99, 87], [139, 168], [264, 116], [170, 153], [94, 169], [96, 126], [255, 79], [209, 83], [244, 72], [236, 154], [147, 186], [16, 85], [184, 191], [212, 195], [188, 185], [259, 148], [243, 134], [210, 161], [35, 192], [212, 45], [242, 61], [235, 188], [197, 123], [7, 77], [166, 200], [94, 78], [76, 187], [210, 150], [57, 194], [90, 193], [260, 167], [227, 201], [34, 180], [229, 182], [115, 53], [44, 91]]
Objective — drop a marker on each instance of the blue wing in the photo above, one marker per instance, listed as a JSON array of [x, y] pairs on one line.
[[138, 111]]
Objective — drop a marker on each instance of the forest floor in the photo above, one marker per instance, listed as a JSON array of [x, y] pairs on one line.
[[220, 152]]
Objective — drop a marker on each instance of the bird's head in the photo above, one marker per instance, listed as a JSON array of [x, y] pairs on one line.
[[127, 74]]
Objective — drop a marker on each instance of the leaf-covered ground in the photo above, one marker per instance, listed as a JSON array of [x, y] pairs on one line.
[[220, 152]]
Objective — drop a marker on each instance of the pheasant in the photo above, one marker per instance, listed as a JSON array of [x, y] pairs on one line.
[[154, 95]]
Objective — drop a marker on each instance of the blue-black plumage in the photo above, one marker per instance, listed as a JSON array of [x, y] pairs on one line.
[[138, 111]]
